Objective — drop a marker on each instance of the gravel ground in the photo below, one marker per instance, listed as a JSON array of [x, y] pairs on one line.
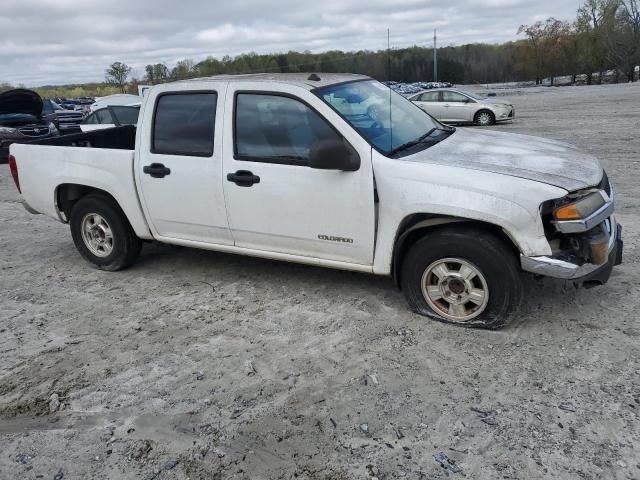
[[201, 365]]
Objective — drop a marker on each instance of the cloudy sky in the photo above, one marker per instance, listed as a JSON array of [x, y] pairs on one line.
[[66, 41]]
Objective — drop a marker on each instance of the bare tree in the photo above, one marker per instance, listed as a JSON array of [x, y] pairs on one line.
[[547, 41]]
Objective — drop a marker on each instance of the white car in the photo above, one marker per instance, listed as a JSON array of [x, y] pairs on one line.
[[457, 106], [110, 117], [274, 166], [117, 99]]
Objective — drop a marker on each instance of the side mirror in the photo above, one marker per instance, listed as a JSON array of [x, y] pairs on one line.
[[333, 155]]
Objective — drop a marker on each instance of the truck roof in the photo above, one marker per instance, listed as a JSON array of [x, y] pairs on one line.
[[304, 80]]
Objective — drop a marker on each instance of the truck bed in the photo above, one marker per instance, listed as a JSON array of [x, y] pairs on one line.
[[117, 138], [102, 159]]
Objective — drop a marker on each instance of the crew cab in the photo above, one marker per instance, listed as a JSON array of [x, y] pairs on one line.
[[284, 167]]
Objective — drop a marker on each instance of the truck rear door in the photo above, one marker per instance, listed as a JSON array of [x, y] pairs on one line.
[[275, 201], [179, 165]]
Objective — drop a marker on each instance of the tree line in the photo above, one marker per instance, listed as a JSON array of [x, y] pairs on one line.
[[605, 35]]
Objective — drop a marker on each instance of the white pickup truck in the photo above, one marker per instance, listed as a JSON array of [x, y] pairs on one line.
[[299, 167]]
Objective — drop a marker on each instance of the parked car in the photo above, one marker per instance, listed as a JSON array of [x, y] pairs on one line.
[[270, 166], [66, 121], [457, 106], [109, 117], [21, 119], [117, 99]]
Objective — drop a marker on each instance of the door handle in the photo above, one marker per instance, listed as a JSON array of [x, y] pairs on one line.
[[156, 170], [243, 178]]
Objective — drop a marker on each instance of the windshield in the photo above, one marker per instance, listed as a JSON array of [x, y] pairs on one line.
[[384, 118]]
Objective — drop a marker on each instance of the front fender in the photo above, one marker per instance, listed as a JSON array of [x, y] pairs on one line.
[[410, 188]]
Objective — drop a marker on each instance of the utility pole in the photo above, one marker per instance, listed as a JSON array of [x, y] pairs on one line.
[[435, 57], [388, 56]]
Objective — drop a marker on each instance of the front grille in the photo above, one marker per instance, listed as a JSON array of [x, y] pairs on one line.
[[34, 131]]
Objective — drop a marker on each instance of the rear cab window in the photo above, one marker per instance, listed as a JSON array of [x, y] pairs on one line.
[[184, 123]]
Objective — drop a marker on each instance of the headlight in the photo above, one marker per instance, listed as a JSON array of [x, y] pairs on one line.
[[8, 130], [581, 208]]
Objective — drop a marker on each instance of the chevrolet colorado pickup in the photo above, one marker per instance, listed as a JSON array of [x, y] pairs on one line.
[[288, 167]]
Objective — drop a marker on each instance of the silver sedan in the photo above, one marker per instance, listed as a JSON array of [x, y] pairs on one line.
[[457, 106]]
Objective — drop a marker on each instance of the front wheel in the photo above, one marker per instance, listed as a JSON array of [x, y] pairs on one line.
[[484, 118], [102, 234], [462, 276]]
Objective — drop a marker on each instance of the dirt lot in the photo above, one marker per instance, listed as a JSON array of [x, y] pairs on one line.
[[201, 365]]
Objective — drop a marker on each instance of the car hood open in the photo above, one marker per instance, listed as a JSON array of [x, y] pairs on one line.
[[21, 100], [547, 161]]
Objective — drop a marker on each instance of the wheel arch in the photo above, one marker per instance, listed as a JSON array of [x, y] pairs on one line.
[[416, 226], [66, 195]]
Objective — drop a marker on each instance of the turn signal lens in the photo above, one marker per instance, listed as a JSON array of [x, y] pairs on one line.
[[580, 209], [568, 212]]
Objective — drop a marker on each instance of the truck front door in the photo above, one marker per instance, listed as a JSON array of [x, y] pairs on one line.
[[179, 168], [275, 201]]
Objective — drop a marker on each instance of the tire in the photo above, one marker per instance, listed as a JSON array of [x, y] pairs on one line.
[[102, 219], [440, 259], [484, 118]]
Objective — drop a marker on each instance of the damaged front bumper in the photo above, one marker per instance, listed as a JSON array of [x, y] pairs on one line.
[[586, 272]]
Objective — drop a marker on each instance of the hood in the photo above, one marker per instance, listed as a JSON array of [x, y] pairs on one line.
[[538, 159], [21, 100], [496, 101]]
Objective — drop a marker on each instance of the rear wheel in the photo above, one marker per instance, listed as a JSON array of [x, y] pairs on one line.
[[462, 276], [484, 118], [102, 234]]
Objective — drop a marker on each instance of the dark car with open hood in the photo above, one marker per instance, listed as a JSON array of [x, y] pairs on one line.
[[21, 119]]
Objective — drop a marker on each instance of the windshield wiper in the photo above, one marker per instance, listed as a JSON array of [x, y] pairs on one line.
[[412, 143]]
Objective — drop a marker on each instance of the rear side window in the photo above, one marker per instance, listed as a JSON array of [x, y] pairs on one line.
[[277, 129], [183, 124], [454, 97]]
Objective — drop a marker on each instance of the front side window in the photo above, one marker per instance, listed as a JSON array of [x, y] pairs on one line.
[[387, 120], [277, 129], [183, 124]]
